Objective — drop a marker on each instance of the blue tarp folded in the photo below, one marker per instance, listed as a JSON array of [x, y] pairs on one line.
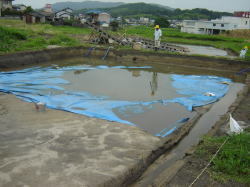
[[46, 85]]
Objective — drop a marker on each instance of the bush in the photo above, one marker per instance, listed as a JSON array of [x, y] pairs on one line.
[[114, 25]]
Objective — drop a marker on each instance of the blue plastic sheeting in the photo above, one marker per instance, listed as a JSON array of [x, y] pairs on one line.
[[46, 85], [195, 88], [165, 132]]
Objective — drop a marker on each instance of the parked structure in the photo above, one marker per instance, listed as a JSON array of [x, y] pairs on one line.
[[66, 13], [226, 23]]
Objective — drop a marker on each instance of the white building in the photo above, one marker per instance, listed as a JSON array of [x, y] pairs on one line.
[[226, 23], [19, 7], [66, 13], [104, 18], [143, 20], [48, 8]]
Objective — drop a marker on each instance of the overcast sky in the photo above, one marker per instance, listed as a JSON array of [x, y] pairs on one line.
[[218, 5]]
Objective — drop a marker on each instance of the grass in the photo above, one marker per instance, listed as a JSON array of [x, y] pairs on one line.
[[15, 36], [233, 161]]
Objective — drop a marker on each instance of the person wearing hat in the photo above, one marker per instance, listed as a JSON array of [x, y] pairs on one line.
[[243, 52], [157, 36]]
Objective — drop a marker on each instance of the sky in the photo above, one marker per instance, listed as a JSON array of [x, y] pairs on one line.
[[218, 5]]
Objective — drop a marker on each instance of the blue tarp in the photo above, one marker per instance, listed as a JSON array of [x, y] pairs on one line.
[[46, 85]]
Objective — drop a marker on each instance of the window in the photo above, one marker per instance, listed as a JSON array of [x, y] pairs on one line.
[[214, 24], [246, 22], [222, 25]]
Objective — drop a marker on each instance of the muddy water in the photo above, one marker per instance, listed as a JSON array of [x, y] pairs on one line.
[[133, 85]]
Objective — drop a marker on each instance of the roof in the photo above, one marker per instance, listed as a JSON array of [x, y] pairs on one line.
[[41, 14], [65, 10], [18, 5], [36, 14]]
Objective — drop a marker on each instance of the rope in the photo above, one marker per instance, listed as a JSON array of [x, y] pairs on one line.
[[208, 163]]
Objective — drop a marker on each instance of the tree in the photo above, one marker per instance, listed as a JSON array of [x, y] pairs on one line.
[[29, 9], [162, 21]]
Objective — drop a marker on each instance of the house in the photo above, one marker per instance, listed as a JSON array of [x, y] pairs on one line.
[[66, 13], [48, 8], [226, 23], [19, 7], [38, 17], [96, 16], [104, 18], [144, 21], [5, 4]]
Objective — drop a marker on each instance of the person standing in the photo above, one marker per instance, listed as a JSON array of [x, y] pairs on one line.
[[157, 36], [243, 52]]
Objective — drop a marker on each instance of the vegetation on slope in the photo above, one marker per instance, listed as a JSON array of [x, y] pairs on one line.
[[18, 36], [233, 161]]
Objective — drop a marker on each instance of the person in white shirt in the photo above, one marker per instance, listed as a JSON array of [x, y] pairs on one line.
[[243, 52], [157, 36]]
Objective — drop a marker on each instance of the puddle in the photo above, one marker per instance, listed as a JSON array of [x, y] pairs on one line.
[[205, 50], [158, 102]]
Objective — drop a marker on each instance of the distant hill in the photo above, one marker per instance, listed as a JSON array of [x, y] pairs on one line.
[[138, 8], [85, 5], [134, 10], [153, 11], [162, 6]]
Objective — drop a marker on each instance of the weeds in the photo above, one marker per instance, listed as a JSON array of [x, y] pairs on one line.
[[233, 161]]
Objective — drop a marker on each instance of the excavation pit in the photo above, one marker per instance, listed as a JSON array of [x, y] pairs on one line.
[[58, 148]]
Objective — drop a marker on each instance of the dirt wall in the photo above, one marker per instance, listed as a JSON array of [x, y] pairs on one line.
[[38, 57]]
